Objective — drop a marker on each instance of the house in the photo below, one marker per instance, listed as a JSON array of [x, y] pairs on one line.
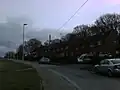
[[74, 45], [101, 42], [97, 42], [109, 42]]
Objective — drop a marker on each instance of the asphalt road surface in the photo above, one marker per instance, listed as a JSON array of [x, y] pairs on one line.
[[70, 77]]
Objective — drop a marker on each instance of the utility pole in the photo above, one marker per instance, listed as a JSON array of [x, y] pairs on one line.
[[49, 38], [16, 55], [8, 56], [17, 45], [23, 40]]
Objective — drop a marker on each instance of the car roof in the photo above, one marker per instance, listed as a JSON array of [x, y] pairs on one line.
[[113, 59], [86, 55]]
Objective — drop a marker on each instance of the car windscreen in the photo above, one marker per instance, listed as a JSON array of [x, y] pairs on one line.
[[115, 61]]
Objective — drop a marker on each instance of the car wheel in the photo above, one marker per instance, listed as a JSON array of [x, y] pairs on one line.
[[110, 73]]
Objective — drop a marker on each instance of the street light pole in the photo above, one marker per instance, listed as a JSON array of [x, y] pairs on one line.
[[16, 52], [23, 40]]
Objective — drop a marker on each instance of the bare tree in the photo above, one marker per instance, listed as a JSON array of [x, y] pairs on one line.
[[93, 30], [108, 22], [80, 28]]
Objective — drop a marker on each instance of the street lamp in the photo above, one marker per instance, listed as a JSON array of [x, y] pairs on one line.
[[23, 40]]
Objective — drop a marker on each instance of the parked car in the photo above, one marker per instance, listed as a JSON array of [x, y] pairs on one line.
[[105, 55], [44, 60], [108, 66], [85, 58]]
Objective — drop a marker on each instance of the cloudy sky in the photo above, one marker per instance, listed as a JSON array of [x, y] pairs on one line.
[[53, 13], [46, 16]]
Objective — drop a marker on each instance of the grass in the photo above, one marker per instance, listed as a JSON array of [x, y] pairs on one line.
[[10, 79]]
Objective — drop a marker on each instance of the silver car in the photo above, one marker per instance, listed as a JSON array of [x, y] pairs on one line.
[[44, 60], [108, 66], [84, 58]]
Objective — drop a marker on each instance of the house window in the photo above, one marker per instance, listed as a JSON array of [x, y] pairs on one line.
[[92, 45], [76, 48], [117, 52], [99, 42], [114, 41]]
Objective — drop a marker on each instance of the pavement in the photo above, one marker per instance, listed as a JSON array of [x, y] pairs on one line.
[[71, 77]]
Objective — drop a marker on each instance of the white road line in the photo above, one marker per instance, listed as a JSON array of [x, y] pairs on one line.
[[24, 69], [66, 78]]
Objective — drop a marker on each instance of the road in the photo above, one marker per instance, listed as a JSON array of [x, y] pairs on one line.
[[70, 77]]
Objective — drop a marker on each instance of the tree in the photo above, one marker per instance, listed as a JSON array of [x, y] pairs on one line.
[[93, 29], [82, 30], [68, 37], [108, 22], [30, 48], [10, 54], [46, 43], [20, 51], [32, 44], [55, 41]]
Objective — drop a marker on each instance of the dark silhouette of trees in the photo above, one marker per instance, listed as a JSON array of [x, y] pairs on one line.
[[108, 22], [81, 36]]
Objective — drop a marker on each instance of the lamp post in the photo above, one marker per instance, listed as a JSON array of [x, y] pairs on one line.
[[23, 40]]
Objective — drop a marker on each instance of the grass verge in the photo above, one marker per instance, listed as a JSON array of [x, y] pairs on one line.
[[13, 76]]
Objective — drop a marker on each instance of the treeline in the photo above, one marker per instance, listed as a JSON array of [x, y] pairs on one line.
[[83, 39]]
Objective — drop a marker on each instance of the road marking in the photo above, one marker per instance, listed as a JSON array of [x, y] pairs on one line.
[[66, 78], [24, 69]]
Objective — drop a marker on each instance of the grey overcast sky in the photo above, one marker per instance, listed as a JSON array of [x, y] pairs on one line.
[[46, 16], [53, 13]]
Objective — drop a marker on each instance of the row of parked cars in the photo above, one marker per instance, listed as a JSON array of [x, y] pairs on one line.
[[88, 58], [107, 65]]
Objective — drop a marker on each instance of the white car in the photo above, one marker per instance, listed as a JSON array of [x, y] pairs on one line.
[[84, 58], [108, 66], [44, 60]]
